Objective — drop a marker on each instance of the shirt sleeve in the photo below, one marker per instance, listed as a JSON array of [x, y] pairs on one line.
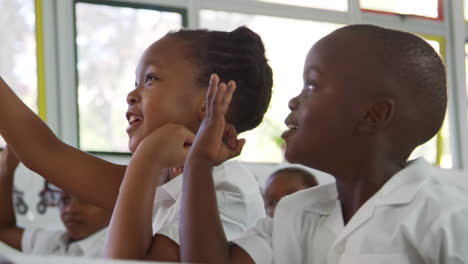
[[257, 242], [230, 218], [40, 241]]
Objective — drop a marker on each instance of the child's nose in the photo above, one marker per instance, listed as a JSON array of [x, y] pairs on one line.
[[293, 103], [132, 98]]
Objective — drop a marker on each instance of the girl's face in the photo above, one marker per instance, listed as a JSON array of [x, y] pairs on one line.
[[165, 91]]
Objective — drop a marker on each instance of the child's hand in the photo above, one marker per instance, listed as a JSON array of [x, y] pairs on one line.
[[217, 141], [8, 160], [167, 146]]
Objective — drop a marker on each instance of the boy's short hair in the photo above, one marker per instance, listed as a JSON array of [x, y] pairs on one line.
[[413, 67], [239, 56]]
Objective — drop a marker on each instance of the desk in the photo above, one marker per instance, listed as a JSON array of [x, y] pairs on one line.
[[30, 259]]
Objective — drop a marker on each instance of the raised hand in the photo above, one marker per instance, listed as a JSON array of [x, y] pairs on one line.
[[216, 141]]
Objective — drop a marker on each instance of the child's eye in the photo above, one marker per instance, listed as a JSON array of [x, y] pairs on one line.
[[151, 77], [309, 86]]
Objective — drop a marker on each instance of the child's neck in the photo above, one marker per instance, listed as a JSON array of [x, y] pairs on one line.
[[360, 183]]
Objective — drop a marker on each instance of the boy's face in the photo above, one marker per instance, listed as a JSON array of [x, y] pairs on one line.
[[324, 115], [81, 219], [280, 185], [165, 91]]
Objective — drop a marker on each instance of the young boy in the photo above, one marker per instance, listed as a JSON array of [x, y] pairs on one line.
[[285, 182], [371, 95], [84, 233]]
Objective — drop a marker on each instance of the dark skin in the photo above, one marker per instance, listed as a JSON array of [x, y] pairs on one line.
[[10, 233], [340, 124]]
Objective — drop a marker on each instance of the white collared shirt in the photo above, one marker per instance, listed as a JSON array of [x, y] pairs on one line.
[[419, 216], [40, 241], [240, 202]]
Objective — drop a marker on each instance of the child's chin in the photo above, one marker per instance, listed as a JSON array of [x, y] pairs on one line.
[[132, 146], [289, 155]]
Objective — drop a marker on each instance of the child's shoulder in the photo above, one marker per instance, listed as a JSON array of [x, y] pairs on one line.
[[234, 177], [446, 189], [38, 240], [319, 200]]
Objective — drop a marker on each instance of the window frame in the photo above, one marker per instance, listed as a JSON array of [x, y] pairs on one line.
[[440, 13]]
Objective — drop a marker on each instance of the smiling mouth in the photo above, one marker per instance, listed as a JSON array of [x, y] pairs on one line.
[[291, 129], [134, 119]]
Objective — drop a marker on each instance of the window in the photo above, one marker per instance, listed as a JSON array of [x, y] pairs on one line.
[[18, 64], [107, 57], [424, 8], [338, 5], [264, 142]]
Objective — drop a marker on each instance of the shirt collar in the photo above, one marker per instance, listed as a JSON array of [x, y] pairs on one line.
[[174, 186], [91, 242], [403, 186], [400, 189], [322, 199]]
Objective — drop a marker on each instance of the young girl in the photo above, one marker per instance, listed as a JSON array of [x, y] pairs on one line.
[[371, 95], [171, 80]]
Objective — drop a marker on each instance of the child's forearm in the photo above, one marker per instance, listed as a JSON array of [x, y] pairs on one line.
[[130, 232], [10, 234], [201, 232], [78, 173], [23, 129]]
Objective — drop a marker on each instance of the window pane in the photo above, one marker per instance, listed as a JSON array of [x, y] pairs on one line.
[[264, 143], [426, 8], [338, 5], [107, 57], [18, 64]]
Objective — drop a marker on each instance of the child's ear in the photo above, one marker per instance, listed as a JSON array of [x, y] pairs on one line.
[[377, 117]]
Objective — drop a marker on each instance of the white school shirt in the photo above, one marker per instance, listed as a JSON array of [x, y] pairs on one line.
[[40, 241], [240, 202], [419, 216]]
